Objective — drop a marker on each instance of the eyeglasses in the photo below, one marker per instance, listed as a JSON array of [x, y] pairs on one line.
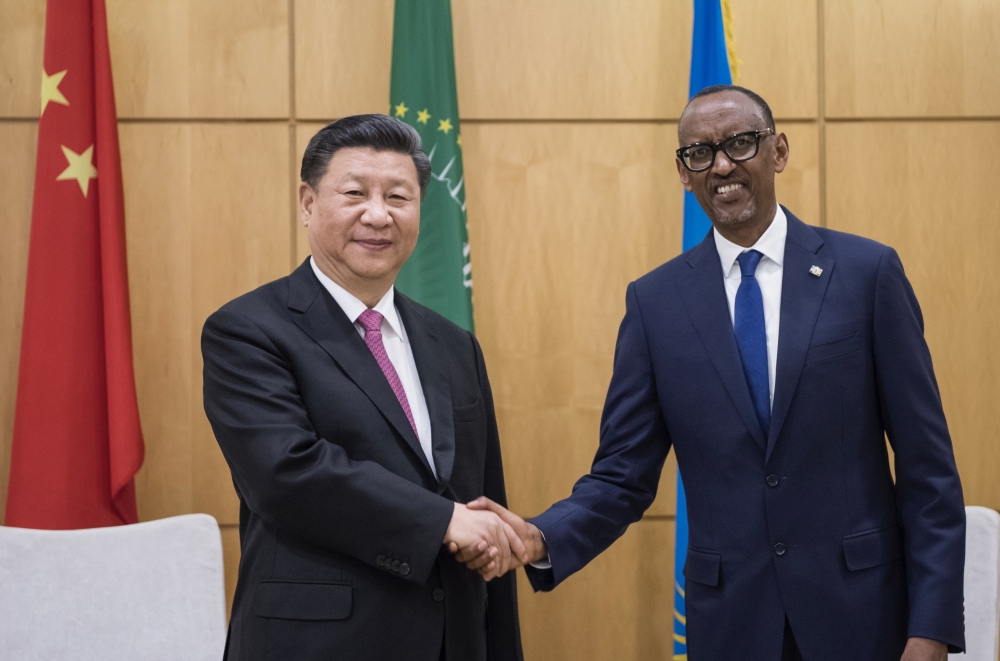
[[740, 147]]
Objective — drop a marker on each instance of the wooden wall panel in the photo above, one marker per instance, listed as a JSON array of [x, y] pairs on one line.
[[776, 49], [22, 31], [618, 608], [561, 218], [343, 57], [798, 186], [187, 58], [899, 58], [231, 558], [207, 213], [17, 175], [589, 59], [932, 206]]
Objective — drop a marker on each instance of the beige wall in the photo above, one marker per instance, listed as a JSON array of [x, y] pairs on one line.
[[569, 113]]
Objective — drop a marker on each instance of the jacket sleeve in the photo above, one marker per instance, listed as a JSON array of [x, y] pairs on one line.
[[928, 491], [625, 474], [292, 478], [501, 593]]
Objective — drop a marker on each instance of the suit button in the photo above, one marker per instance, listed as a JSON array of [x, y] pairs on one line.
[[438, 594], [404, 569], [779, 549], [395, 565], [772, 480], [380, 561]]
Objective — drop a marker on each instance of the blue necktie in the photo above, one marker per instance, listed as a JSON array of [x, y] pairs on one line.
[[751, 337]]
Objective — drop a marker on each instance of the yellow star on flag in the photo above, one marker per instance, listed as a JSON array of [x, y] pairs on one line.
[[445, 125], [81, 168], [50, 89], [401, 110], [423, 116], [458, 140]]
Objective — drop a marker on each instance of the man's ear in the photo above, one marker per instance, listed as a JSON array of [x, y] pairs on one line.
[[780, 152], [684, 174], [307, 197]]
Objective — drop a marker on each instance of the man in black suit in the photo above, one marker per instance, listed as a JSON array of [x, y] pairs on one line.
[[355, 422]]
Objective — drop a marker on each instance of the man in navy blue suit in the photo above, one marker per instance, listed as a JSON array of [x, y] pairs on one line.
[[774, 358]]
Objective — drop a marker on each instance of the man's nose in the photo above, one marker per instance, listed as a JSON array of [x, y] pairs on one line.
[[376, 212], [722, 165]]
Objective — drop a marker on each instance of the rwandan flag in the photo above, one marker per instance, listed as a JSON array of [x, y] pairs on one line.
[[713, 62]]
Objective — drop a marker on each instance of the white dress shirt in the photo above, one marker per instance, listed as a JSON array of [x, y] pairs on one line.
[[771, 244], [397, 347]]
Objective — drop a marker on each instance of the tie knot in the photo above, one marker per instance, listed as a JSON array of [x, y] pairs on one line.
[[371, 320], [749, 261]]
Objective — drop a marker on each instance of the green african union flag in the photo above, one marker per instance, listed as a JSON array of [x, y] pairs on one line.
[[423, 95]]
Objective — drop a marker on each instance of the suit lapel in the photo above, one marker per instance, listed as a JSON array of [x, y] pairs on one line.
[[801, 298], [428, 350], [327, 324], [704, 294]]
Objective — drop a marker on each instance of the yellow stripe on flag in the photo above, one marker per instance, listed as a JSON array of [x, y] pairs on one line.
[[730, 30]]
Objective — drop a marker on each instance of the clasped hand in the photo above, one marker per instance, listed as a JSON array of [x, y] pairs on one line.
[[491, 540]]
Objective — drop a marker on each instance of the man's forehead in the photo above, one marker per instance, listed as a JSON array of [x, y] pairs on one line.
[[367, 163], [717, 116]]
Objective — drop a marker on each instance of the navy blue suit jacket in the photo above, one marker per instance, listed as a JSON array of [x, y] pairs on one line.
[[805, 522]]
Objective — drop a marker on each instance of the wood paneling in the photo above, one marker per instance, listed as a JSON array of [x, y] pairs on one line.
[[231, 558], [588, 59], [561, 219], [22, 31], [207, 214], [343, 57], [17, 175], [619, 608], [798, 186], [187, 58], [620, 60], [899, 58], [776, 49], [927, 195]]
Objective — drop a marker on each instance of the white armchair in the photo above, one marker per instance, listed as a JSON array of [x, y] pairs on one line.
[[148, 591], [982, 585]]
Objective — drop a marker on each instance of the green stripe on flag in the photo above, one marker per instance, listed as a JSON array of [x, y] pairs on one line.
[[423, 94]]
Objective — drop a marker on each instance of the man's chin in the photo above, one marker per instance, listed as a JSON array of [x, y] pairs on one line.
[[732, 218]]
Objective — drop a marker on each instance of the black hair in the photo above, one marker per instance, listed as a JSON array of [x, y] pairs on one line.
[[753, 96], [379, 132]]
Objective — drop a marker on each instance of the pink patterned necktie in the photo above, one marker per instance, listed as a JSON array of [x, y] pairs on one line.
[[371, 321]]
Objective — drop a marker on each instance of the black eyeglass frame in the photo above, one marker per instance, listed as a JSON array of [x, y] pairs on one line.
[[716, 146]]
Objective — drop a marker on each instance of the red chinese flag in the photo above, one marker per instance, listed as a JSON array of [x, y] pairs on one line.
[[77, 441]]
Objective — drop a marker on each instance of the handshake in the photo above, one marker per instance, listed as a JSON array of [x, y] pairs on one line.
[[492, 540]]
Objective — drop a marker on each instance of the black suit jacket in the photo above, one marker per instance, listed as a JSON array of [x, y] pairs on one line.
[[341, 518]]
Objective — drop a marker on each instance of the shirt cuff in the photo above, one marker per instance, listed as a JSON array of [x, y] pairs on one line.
[[547, 562]]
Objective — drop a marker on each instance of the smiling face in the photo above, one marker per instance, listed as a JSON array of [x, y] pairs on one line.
[[363, 219], [736, 196]]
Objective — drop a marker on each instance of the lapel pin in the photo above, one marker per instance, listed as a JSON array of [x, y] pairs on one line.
[[816, 271]]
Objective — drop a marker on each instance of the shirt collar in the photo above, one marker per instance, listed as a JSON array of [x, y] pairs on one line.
[[353, 307], [771, 244]]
